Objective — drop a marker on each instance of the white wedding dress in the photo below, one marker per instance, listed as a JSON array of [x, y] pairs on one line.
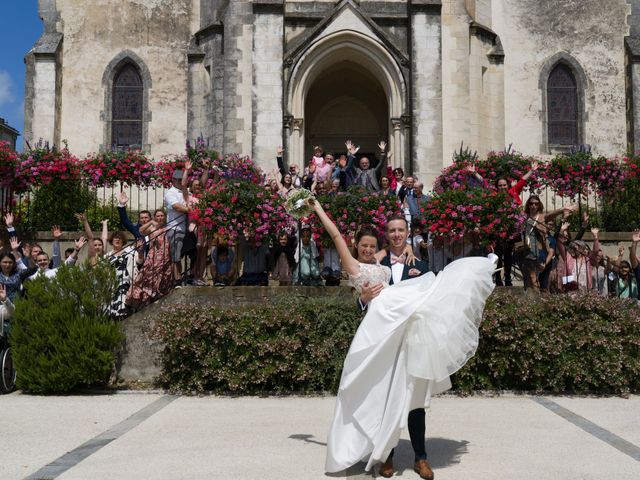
[[415, 334]]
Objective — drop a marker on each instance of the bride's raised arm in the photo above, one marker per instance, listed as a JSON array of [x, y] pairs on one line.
[[350, 264]]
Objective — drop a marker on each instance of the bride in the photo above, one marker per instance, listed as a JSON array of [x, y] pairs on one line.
[[415, 334]]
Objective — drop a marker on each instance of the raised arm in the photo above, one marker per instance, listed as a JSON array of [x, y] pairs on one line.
[[280, 161], [349, 263], [88, 233], [534, 167], [593, 258], [105, 233], [633, 258], [351, 154], [566, 211], [124, 218], [56, 257], [184, 183], [560, 245], [381, 156]]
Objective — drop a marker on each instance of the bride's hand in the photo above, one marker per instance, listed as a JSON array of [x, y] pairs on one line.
[[411, 258]]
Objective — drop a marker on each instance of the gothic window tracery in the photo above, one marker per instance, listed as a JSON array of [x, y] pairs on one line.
[[127, 108], [562, 108]]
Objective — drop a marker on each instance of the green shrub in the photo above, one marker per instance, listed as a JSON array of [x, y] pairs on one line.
[[620, 212], [557, 343], [57, 204], [290, 344], [60, 335]]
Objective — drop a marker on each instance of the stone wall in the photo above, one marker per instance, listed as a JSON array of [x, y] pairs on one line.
[[96, 32], [590, 31]]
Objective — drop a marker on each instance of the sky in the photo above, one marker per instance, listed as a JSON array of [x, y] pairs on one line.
[[20, 27]]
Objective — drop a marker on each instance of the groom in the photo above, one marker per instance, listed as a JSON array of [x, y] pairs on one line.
[[397, 233]]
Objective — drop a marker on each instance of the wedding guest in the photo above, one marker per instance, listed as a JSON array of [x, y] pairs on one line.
[[283, 258], [307, 271], [222, 264], [296, 179], [397, 180], [144, 216], [122, 258], [418, 241], [385, 188], [504, 248], [6, 309], [535, 233], [624, 283], [96, 245], [176, 222], [33, 248], [414, 200], [254, 260], [599, 281], [196, 242], [363, 175], [576, 255], [155, 277], [42, 261], [13, 272]]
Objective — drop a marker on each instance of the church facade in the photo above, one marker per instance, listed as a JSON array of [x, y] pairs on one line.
[[424, 75]]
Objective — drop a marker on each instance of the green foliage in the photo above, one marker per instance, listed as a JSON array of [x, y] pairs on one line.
[[558, 343], [555, 344], [620, 212], [56, 204], [60, 335], [290, 344], [103, 210]]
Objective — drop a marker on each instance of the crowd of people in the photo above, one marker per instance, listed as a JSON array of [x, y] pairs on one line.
[[549, 259]]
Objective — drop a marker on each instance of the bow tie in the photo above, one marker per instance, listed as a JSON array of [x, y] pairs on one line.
[[395, 259]]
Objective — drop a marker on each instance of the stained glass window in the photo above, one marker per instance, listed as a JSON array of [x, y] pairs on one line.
[[126, 117], [562, 98]]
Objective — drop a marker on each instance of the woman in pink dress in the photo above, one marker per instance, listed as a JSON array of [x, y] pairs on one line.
[[155, 278]]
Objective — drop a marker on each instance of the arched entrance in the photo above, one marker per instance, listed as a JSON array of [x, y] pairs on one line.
[[345, 86], [345, 102]]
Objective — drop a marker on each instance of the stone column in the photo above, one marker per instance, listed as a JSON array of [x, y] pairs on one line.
[[238, 77], [296, 145], [396, 143], [268, 31], [287, 123], [198, 85], [42, 95], [426, 94]]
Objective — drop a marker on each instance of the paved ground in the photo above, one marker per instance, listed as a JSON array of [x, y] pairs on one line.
[[156, 436]]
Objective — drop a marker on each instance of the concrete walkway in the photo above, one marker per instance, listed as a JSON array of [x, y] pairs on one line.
[[155, 436]]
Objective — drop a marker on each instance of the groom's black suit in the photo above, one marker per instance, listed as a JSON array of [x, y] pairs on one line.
[[416, 421], [419, 265]]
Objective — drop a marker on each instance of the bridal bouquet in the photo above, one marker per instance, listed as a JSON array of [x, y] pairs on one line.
[[297, 205]]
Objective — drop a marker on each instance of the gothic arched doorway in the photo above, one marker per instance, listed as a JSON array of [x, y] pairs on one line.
[[345, 86], [345, 102]]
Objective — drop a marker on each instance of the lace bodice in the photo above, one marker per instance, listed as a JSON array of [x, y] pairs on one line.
[[372, 273]]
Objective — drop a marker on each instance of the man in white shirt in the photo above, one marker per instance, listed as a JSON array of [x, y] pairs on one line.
[[177, 211], [42, 260]]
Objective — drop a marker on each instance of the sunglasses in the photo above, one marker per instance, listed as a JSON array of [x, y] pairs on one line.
[[534, 203]]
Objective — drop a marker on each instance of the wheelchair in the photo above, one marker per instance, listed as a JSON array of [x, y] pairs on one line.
[[7, 370]]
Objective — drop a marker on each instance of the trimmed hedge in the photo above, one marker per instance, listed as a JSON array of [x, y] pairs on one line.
[[559, 344], [60, 335], [291, 344]]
